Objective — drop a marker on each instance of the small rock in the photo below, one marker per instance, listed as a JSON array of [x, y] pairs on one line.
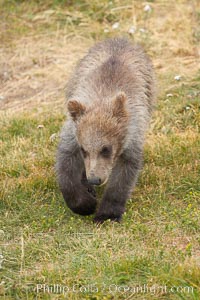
[[147, 8], [177, 77], [2, 98], [132, 30], [40, 126], [115, 25], [6, 75], [169, 95], [142, 30]]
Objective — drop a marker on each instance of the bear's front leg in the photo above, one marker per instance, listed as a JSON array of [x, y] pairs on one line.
[[120, 185], [78, 194]]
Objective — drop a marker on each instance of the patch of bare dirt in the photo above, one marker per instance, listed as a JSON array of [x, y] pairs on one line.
[[36, 70]]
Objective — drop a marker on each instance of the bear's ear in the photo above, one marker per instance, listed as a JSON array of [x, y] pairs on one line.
[[76, 109], [119, 109]]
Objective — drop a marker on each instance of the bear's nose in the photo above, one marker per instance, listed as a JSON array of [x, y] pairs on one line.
[[94, 180]]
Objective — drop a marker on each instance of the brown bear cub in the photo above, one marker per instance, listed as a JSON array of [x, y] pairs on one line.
[[109, 98]]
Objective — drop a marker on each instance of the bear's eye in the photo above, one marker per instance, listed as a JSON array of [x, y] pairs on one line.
[[106, 151], [85, 154]]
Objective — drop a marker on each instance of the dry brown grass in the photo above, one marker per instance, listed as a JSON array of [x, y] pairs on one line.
[[37, 69], [34, 68]]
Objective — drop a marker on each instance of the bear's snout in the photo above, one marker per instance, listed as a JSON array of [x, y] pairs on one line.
[[94, 180]]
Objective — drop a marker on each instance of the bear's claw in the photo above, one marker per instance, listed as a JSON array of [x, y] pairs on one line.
[[102, 218]]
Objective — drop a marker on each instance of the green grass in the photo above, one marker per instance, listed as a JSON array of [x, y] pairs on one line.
[[156, 246]]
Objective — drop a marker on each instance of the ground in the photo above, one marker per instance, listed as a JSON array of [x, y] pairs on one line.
[[45, 250]]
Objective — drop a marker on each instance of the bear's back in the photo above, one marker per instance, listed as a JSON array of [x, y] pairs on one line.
[[109, 67]]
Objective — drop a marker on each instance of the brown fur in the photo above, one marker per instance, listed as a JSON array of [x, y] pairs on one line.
[[110, 98], [107, 125]]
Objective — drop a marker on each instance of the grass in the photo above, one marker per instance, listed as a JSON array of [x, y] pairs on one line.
[[47, 252]]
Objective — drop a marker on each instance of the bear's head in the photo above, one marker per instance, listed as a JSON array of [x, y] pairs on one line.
[[101, 131]]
